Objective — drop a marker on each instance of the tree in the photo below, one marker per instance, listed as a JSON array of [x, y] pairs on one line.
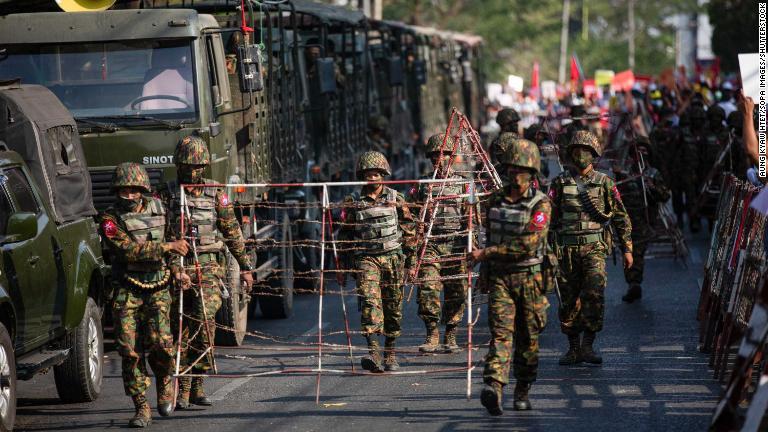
[[734, 30]]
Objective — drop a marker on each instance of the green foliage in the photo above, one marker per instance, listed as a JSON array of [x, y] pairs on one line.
[[734, 25], [519, 32]]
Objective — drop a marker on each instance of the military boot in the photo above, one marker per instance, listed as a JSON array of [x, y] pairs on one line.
[[635, 292], [164, 395], [432, 342], [491, 398], [572, 357], [588, 353], [143, 416], [197, 393], [390, 358], [182, 400], [522, 403], [449, 339], [372, 362]]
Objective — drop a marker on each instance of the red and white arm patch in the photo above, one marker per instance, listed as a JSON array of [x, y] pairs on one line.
[[616, 193], [109, 228], [343, 215], [412, 191], [552, 193], [538, 221], [223, 199]]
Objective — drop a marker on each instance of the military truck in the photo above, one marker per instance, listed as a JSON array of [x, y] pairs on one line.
[[51, 268]]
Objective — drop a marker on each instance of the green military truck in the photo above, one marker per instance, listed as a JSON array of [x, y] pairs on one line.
[[51, 268]]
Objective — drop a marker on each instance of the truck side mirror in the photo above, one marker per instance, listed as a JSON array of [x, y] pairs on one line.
[[326, 72], [21, 226], [395, 68], [467, 71], [420, 71], [249, 68]]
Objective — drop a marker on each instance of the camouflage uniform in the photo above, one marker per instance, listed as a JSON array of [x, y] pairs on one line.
[[582, 246], [664, 142], [211, 223], [379, 228], [443, 254], [135, 242], [517, 307], [643, 216], [507, 120], [692, 145], [716, 139]]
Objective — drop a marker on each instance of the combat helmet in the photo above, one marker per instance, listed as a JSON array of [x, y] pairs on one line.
[[696, 112], [522, 153], [130, 174], [191, 150], [435, 144], [372, 160], [378, 123], [583, 138], [716, 114], [507, 116]]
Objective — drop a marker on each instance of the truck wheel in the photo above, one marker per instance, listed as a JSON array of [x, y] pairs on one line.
[[7, 381], [234, 310], [79, 377], [279, 304]]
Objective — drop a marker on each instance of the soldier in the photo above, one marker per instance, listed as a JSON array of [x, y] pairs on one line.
[[450, 220], [664, 141], [380, 223], [134, 230], [692, 144], [211, 222], [583, 202], [508, 120], [641, 193], [517, 221], [378, 134], [716, 138]]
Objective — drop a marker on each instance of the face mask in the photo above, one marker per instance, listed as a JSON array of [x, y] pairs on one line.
[[519, 181], [581, 158], [128, 204], [189, 175]]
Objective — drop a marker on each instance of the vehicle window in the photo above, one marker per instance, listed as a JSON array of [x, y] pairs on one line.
[[5, 207], [19, 188], [146, 77], [217, 69]]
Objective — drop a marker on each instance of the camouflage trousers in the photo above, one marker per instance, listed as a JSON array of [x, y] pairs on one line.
[[143, 328], [455, 288], [194, 335], [379, 284], [582, 283], [641, 236], [517, 314]]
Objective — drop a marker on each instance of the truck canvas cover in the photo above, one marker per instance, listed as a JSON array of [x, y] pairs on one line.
[[35, 124]]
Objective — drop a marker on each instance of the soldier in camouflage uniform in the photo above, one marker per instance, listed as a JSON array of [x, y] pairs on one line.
[[378, 134], [693, 142], [380, 226], [517, 222], [584, 201], [446, 242], [641, 194], [134, 231], [717, 137], [211, 223], [508, 120], [664, 143]]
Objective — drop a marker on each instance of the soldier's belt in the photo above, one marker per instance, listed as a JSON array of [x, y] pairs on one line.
[[147, 267], [207, 257], [150, 286], [579, 239], [511, 268]]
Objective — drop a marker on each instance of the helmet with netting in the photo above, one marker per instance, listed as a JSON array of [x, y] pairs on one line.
[[378, 123], [523, 154], [371, 160], [192, 150], [435, 144], [507, 116], [586, 139], [130, 174]]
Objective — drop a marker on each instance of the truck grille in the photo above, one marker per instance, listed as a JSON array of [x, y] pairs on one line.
[[101, 180]]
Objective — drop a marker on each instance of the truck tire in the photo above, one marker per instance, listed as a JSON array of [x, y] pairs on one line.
[[233, 312], [279, 303], [7, 381], [79, 377]]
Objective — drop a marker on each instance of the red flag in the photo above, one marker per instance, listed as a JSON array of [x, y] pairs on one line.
[[574, 70], [535, 81]]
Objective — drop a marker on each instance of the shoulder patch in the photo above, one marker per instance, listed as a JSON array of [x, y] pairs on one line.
[[552, 193], [109, 228], [223, 199], [616, 193], [412, 191], [538, 221]]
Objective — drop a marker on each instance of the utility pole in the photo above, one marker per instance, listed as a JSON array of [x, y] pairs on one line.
[[631, 18], [564, 41]]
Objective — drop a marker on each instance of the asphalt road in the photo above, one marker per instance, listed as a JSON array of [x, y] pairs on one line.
[[653, 378]]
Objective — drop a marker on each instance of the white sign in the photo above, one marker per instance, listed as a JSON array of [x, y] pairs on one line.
[[549, 90], [515, 83], [494, 91], [750, 75]]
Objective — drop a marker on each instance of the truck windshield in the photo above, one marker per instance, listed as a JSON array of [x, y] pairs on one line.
[[114, 79]]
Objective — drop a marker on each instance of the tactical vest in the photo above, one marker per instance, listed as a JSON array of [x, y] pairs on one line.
[[448, 217], [509, 221], [145, 226], [632, 196], [201, 216], [574, 218], [376, 226]]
